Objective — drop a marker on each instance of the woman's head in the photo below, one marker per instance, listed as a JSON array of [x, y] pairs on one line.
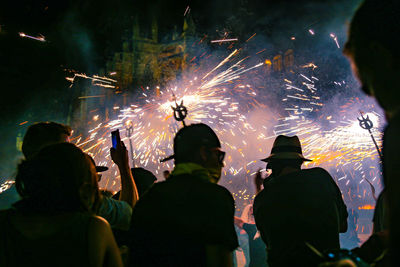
[[59, 178]]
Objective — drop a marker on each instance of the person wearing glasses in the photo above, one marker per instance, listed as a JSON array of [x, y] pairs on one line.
[[187, 220], [298, 209]]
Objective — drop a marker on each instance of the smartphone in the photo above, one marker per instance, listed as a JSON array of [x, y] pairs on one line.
[[115, 138]]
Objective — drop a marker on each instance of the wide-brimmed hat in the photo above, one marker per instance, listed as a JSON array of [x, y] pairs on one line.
[[191, 137], [286, 147]]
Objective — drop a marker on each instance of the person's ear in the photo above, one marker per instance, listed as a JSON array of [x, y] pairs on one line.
[[203, 154], [87, 195]]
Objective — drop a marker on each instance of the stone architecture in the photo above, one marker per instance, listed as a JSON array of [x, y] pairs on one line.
[[145, 60]]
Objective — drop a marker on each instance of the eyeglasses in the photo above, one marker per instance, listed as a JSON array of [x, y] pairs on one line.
[[220, 155]]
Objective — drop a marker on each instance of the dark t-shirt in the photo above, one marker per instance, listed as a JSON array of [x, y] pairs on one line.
[[380, 213], [303, 206], [391, 174], [258, 253], [175, 220]]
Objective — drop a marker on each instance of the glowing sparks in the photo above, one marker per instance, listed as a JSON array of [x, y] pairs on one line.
[[5, 186], [96, 80], [91, 96], [187, 10], [310, 65], [40, 38], [366, 207], [251, 37], [154, 126], [224, 40], [222, 98], [334, 37]]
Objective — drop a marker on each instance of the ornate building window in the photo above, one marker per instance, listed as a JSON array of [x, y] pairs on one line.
[[277, 63], [288, 60]]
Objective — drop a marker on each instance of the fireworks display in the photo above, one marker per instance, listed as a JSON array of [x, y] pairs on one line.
[[209, 99], [227, 99], [247, 107]]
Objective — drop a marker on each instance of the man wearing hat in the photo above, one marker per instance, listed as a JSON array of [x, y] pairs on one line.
[[298, 208], [187, 220]]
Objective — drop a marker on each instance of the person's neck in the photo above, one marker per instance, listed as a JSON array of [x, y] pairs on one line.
[[288, 170], [390, 114], [193, 168]]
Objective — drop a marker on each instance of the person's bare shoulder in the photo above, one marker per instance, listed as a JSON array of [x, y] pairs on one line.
[[99, 222], [99, 229], [103, 250]]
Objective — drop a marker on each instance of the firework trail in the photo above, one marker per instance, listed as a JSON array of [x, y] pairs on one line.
[[40, 38]]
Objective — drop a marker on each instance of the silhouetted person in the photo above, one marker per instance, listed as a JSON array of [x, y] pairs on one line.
[[258, 254], [53, 224], [117, 213], [36, 137], [187, 220], [381, 213], [350, 239], [373, 49], [144, 179], [297, 206]]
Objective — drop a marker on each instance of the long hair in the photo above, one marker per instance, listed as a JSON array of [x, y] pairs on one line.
[[50, 182]]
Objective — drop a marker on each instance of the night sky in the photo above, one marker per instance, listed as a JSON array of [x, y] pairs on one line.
[[82, 35]]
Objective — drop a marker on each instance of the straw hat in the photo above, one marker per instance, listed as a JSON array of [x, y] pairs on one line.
[[286, 147]]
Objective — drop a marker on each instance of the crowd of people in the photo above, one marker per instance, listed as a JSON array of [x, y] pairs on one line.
[[62, 218]]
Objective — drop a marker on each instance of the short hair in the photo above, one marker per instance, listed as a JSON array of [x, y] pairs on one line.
[[50, 181], [188, 141], [375, 20], [42, 134]]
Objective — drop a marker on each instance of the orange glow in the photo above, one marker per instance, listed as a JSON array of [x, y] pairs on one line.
[[366, 207]]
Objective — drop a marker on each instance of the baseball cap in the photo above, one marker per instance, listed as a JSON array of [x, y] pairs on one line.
[[191, 137]]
